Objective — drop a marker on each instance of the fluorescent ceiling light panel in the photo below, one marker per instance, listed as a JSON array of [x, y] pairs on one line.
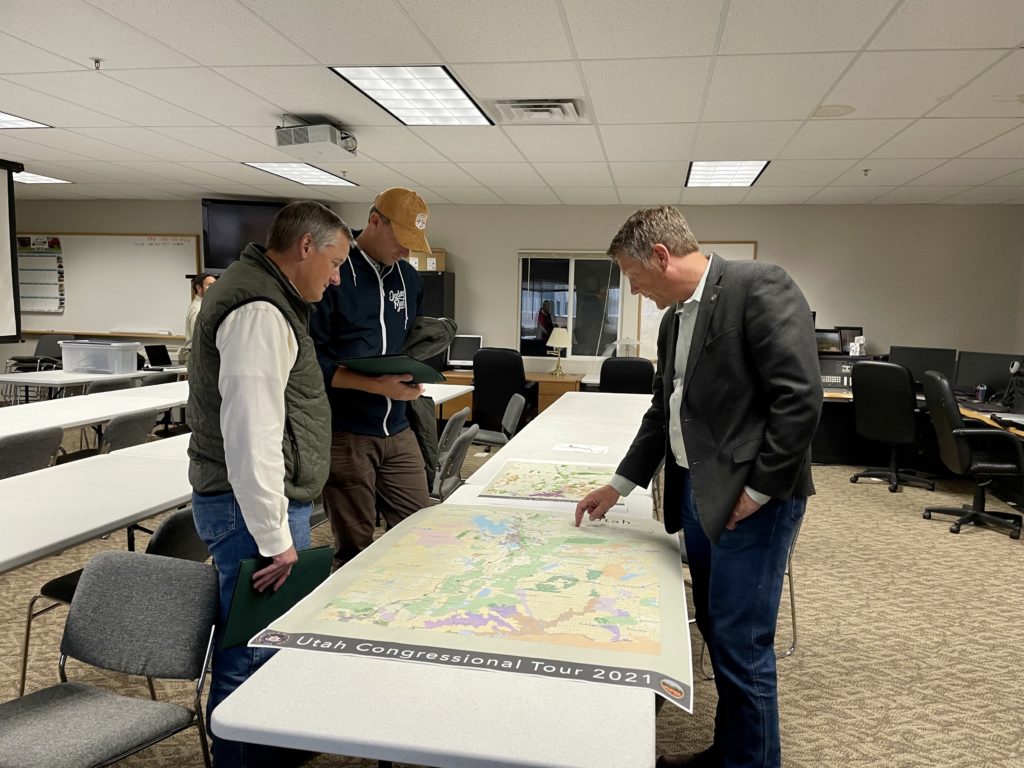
[[13, 121], [303, 173], [33, 178], [416, 95], [724, 173]]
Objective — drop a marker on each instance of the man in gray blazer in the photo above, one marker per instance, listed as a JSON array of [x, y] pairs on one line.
[[736, 402]]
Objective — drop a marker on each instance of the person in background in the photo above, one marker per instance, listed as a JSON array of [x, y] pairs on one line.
[[736, 402], [545, 323], [260, 441], [200, 283], [375, 459]]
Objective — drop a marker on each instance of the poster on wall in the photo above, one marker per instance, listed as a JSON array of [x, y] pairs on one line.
[[41, 274]]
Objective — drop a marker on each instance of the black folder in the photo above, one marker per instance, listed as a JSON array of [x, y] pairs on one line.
[[253, 611], [394, 364]]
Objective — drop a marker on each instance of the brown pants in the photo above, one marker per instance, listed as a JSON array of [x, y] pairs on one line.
[[367, 473]]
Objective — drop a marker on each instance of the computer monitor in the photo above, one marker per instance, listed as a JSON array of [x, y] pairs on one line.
[[847, 333], [829, 342], [988, 368], [921, 359], [462, 349]]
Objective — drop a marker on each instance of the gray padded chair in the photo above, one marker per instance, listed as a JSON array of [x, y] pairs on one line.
[[123, 431], [159, 377], [449, 469], [29, 451], [509, 424], [176, 536], [452, 429], [132, 613], [109, 385]]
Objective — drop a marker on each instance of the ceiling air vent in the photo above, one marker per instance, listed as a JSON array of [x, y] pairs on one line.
[[539, 111]]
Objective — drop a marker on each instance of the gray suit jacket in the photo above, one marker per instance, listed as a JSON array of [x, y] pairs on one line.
[[751, 400]]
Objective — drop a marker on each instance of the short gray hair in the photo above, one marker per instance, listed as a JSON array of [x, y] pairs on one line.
[[647, 227], [302, 218]]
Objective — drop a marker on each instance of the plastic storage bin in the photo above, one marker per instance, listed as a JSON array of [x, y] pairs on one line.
[[99, 356]]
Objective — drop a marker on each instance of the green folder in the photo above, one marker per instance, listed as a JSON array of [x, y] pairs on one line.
[[252, 611], [394, 364]]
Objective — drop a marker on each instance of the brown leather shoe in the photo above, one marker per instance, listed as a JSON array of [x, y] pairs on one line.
[[703, 759]]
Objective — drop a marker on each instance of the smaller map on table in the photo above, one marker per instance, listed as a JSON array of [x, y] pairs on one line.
[[547, 481]]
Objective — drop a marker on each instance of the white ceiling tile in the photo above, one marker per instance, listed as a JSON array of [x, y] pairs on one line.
[[73, 173], [668, 174], [526, 195], [349, 32], [148, 142], [819, 139], [467, 144], [969, 172], [778, 195], [1008, 145], [918, 195], [66, 140], [574, 174], [468, 195], [196, 29], [747, 87], [105, 94], [119, 191], [996, 93], [944, 137], [78, 31], [658, 90], [49, 110], [603, 29], [714, 196], [521, 80], [115, 172], [56, 191], [395, 145], [226, 189], [556, 143], [915, 81], [953, 24], [665, 141], [587, 195], [801, 173], [885, 172], [986, 195], [503, 174], [309, 91], [847, 195], [18, 56], [526, 30], [1011, 179], [784, 26], [352, 195], [743, 141], [16, 148], [376, 175], [198, 174], [204, 92], [237, 172], [228, 144], [434, 174], [649, 196]]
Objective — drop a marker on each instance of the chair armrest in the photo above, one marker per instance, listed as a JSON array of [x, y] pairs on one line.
[[1017, 443]]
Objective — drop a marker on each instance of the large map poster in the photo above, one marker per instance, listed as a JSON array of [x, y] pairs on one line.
[[547, 480], [509, 590]]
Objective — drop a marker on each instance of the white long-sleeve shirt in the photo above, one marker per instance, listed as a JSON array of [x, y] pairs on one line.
[[257, 351]]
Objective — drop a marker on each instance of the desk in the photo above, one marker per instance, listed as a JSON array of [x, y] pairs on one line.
[[449, 398], [50, 510], [549, 386], [58, 379]]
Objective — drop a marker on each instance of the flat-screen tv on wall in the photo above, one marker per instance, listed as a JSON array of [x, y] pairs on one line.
[[229, 225]]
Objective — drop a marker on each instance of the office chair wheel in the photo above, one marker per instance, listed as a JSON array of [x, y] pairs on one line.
[[853, 479], [1015, 533], [926, 515], [893, 487], [954, 528]]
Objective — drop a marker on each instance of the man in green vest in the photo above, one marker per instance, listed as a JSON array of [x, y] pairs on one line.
[[261, 425]]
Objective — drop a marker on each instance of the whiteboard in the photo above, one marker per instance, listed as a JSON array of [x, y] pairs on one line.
[[123, 284], [649, 316]]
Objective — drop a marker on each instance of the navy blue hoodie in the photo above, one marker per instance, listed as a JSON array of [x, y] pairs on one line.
[[369, 313]]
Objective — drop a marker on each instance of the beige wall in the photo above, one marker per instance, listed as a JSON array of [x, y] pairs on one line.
[[917, 275]]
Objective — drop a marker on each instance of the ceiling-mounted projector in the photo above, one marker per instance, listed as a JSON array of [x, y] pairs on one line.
[[316, 143]]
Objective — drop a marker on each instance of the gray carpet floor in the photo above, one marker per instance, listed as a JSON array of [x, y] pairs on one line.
[[910, 652]]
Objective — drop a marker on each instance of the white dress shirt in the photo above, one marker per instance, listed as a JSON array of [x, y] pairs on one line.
[[257, 351]]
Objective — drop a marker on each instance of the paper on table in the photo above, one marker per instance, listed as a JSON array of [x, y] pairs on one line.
[[580, 448]]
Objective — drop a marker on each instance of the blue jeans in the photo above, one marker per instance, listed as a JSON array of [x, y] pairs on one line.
[[737, 585], [220, 524]]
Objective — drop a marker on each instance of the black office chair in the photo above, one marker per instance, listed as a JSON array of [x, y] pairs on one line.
[[47, 355], [984, 453], [631, 375], [884, 409], [498, 374]]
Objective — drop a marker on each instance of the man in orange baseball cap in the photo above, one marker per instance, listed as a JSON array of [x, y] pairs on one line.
[[376, 462]]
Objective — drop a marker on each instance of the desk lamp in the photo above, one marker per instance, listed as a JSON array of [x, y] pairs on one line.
[[558, 340]]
